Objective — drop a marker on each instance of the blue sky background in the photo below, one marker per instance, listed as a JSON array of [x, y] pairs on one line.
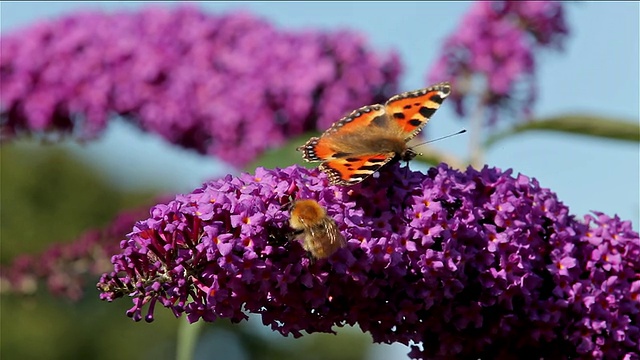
[[596, 74]]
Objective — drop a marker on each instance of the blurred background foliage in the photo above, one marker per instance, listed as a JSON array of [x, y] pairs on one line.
[[76, 198]]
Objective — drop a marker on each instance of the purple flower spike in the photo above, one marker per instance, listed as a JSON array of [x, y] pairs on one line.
[[468, 264], [496, 44], [226, 85]]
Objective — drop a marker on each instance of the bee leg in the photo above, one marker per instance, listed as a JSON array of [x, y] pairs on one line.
[[406, 170], [312, 259], [294, 234]]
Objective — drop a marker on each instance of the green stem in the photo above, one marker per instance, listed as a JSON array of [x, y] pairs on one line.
[[187, 339], [595, 126], [476, 151]]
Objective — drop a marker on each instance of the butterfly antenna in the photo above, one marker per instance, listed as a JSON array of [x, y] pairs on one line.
[[462, 131]]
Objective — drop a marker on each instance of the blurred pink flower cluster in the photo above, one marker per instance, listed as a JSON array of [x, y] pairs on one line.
[[491, 57], [227, 85]]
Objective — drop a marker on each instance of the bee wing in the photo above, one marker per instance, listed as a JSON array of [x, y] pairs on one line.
[[332, 232]]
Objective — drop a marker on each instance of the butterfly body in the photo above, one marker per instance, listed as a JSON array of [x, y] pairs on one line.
[[362, 142], [319, 233]]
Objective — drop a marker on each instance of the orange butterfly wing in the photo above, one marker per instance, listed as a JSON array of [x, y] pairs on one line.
[[352, 170], [413, 109], [323, 148]]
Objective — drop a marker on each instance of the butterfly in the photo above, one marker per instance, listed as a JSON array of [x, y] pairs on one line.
[[360, 143], [319, 233]]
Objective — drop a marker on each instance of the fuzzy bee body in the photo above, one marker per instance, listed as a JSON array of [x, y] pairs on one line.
[[319, 233]]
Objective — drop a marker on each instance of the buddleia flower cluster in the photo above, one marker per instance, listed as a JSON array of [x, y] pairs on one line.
[[492, 55], [226, 85], [482, 264]]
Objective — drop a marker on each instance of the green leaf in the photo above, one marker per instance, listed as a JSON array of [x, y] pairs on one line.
[[587, 125]]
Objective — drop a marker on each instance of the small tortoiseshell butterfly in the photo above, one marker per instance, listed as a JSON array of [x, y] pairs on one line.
[[359, 144]]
